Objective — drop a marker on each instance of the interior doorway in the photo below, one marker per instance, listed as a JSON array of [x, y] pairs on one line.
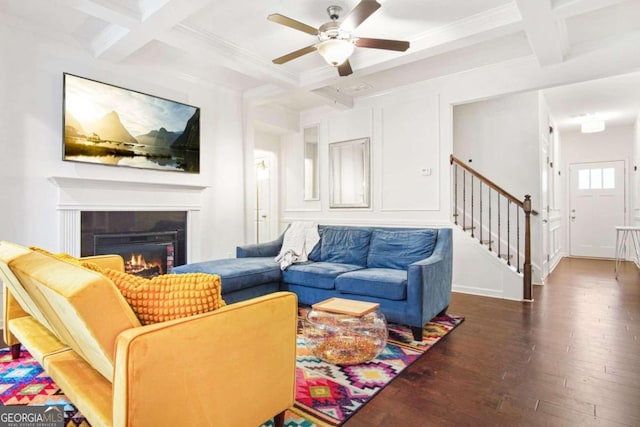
[[596, 207], [265, 214]]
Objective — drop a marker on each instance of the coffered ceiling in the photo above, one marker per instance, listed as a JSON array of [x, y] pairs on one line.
[[231, 42]]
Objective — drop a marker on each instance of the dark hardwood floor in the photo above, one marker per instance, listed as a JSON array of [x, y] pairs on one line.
[[570, 358]]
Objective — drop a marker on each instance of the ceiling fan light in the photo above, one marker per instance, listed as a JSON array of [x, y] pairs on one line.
[[335, 51], [592, 126]]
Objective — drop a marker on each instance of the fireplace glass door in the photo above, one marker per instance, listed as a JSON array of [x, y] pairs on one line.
[[145, 254]]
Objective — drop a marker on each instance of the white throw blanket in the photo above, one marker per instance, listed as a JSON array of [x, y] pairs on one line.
[[299, 240]]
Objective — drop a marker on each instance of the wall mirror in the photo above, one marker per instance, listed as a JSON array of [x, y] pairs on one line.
[[311, 164], [349, 174]]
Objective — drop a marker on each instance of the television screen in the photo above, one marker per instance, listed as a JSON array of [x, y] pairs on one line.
[[110, 125]]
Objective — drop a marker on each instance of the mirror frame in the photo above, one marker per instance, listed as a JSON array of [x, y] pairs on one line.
[[316, 173], [366, 174]]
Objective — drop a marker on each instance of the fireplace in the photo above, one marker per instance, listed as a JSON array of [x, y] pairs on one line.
[[145, 254], [150, 242], [77, 195]]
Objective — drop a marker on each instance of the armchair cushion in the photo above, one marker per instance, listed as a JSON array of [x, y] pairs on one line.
[[170, 296], [398, 249]]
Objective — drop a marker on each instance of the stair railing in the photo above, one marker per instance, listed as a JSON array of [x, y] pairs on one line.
[[502, 238]]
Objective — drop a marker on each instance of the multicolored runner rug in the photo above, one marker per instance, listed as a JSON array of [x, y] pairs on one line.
[[326, 395]]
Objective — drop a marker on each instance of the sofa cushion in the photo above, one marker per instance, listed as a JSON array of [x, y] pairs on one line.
[[236, 273], [169, 296], [316, 274], [384, 283], [398, 249], [316, 252], [345, 245]]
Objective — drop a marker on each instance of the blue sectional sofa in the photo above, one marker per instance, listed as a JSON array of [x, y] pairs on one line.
[[406, 270]]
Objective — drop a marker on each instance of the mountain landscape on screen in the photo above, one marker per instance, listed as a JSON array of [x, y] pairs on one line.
[[100, 122]]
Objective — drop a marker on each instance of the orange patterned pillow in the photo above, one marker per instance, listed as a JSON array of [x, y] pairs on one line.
[[169, 296], [162, 298]]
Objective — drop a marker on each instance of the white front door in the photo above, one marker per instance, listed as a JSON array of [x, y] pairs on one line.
[[596, 207]]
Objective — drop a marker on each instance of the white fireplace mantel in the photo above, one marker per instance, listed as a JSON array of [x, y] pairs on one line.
[[85, 194]]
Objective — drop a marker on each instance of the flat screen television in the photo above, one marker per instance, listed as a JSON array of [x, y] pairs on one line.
[[111, 125]]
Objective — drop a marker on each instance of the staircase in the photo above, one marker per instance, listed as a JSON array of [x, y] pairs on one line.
[[496, 219]]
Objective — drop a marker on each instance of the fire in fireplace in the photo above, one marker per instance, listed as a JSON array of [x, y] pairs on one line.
[[158, 237], [145, 254]]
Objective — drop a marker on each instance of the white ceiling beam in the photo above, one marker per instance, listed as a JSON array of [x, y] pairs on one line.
[[221, 53], [149, 7], [97, 10], [505, 18], [158, 20], [568, 8], [334, 97], [542, 31]]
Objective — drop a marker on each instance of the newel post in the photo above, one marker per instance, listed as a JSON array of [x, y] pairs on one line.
[[526, 281]]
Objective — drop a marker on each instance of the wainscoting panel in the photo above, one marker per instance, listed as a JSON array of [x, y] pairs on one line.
[[409, 156]]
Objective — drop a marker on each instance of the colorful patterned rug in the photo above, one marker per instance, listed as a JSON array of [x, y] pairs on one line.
[[24, 382], [326, 395]]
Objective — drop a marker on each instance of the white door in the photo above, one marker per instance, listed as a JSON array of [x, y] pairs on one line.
[[544, 207], [263, 200], [596, 207]]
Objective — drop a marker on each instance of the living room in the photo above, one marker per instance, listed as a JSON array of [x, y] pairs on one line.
[[497, 48], [234, 123]]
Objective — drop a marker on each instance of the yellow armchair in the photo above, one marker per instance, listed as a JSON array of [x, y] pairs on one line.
[[233, 366]]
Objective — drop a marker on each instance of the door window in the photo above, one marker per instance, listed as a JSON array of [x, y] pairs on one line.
[[597, 179]]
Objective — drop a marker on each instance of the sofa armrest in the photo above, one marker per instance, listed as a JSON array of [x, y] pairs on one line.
[[114, 262], [271, 248], [210, 367], [429, 280]]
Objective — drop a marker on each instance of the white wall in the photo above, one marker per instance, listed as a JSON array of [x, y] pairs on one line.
[[31, 141], [501, 136], [404, 140]]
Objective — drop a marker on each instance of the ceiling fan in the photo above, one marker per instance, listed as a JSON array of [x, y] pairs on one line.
[[335, 40]]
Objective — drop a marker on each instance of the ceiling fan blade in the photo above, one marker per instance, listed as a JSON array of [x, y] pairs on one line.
[[359, 14], [344, 69], [295, 54], [292, 23], [398, 45]]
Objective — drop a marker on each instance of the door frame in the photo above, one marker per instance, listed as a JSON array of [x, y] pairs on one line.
[[271, 211], [625, 195]]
